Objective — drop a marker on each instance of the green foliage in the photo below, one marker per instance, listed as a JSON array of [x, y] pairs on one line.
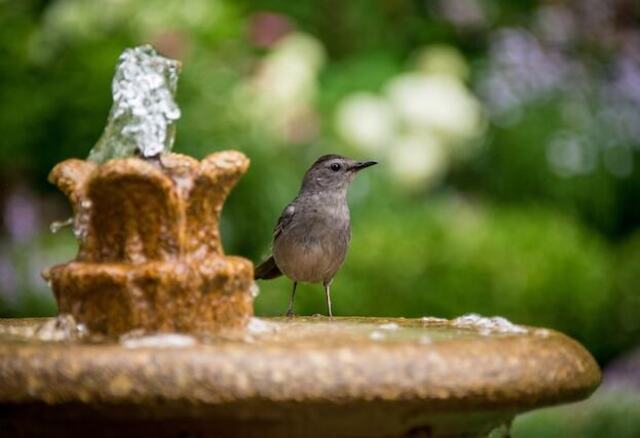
[[514, 168], [625, 296], [609, 413], [23, 291]]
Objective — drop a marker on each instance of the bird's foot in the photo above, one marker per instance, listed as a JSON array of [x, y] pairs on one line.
[[290, 313]]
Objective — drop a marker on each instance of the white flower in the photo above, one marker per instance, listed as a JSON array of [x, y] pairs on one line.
[[366, 121], [423, 120], [287, 75], [417, 160], [438, 103], [444, 60], [279, 98]]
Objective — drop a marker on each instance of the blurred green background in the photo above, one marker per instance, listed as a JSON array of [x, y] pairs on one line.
[[508, 135]]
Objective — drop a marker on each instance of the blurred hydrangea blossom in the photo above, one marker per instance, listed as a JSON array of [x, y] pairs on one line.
[[442, 59], [582, 56], [367, 120], [279, 98], [418, 160], [21, 215], [464, 14], [436, 103], [8, 283], [424, 119]]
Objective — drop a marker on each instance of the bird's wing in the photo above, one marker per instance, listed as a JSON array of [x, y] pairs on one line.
[[284, 220]]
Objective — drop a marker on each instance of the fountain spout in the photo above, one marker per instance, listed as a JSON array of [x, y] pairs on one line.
[[150, 255], [144, 112]]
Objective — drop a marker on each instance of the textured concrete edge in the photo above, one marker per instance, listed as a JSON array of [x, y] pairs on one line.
[[522, 372]]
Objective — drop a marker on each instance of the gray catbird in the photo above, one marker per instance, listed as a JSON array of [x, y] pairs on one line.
[[311, 238]]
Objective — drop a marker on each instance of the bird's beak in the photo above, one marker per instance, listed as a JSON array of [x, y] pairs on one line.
[[359, 165]]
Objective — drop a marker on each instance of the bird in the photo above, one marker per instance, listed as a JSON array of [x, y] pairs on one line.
[[312, 235]]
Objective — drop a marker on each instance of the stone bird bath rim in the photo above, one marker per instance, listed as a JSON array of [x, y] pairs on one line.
[[297, 377]]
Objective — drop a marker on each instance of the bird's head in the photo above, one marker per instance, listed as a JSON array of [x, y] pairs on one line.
[[333, 172]]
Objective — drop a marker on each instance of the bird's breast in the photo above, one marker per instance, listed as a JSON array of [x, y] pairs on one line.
[[314, 245]]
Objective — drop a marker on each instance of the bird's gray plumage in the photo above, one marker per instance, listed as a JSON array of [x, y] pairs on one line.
[[311, 237]]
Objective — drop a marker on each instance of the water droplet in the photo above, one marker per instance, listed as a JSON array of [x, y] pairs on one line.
[[495, 324], [61, 328], [433, 320], [58, 225], [255, 290], [82, 330], [389, 326], [81, 220], [163, 340], [257, 325], [543, 333]]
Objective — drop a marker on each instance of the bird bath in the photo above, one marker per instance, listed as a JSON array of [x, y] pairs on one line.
[[156, 333], [368, 377]]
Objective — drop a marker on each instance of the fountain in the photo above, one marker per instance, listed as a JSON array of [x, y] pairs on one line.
[[156, 333], [150, 255]]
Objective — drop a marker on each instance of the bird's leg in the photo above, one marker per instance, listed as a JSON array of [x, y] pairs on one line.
[[327, 292], [293, 294]]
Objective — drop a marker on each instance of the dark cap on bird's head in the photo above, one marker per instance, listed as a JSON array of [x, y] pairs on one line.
[[333, 172]]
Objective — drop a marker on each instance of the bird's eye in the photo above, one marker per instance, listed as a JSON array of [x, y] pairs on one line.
[[335, 167]]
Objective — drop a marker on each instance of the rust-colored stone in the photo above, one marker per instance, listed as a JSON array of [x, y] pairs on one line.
[[218, 173], [150, 254], [70, 177]]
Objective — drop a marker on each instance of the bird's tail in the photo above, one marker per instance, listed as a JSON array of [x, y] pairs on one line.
[[267, 270]]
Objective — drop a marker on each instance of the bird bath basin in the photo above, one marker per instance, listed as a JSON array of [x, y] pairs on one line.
[[156, 334], [287, 377]]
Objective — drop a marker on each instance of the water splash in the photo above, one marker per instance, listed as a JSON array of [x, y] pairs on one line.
[[160, 340], [389, 326], [81, 220], [433, 320], [143, 115], [58, 225], [488, 325], [255, 290], [543, 333], [257, 326], [61, 328]]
